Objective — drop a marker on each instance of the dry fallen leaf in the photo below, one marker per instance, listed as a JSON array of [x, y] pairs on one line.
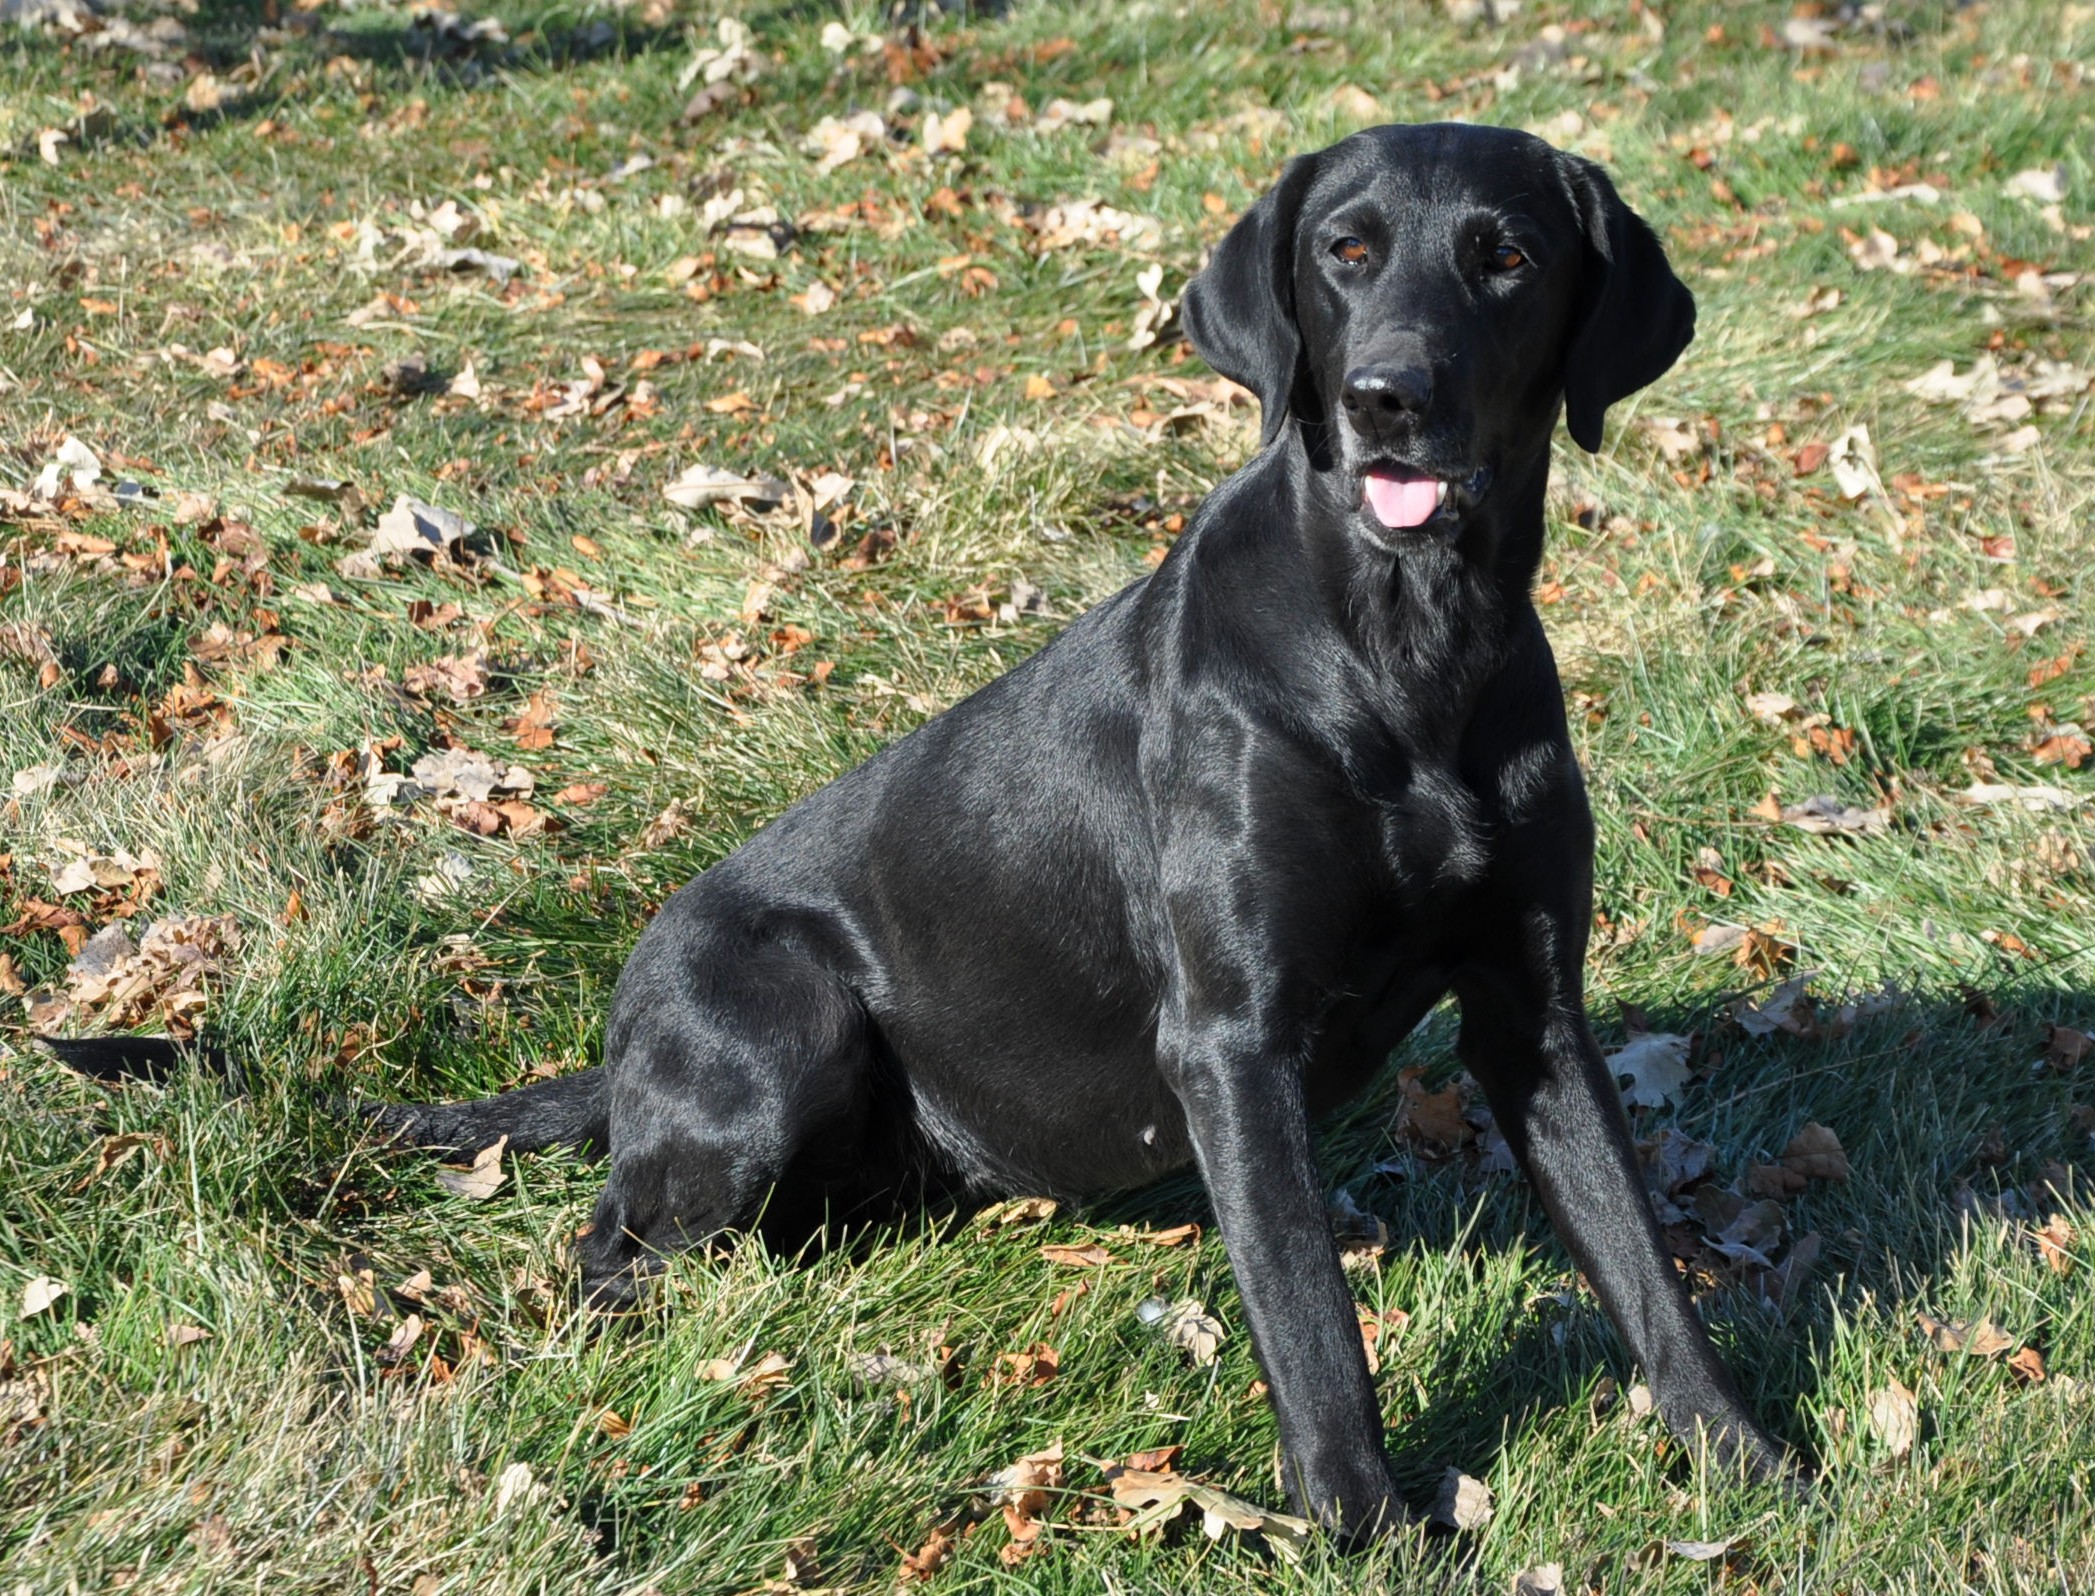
[[1894, 1418], [1544, 1579], [2055, 1244], [1746, 1233], [818, 300], [2044, 184], [1435, 1120], [1827, 816], [1788, 1008], [1026, 1491], [1463, 1503], [1171, 1236], [1854, 460], [1814, 1153], [1982, 1338], [414, 528], [1035, 1366], [927, 1559], [166, 970], [534, 725], [1655, 1065], [1088, 1256], [754, 1380], [359, 1293], [40, 1293], [1016, 1211], [836, 140], [947, 134], [478, 1180], [1362, 1237], [1878, 251], [1155, 1497], [114, 1150], [1701, 1551], [1373, 1327], [2065, 1047], [876, 1369], [514, 1485], [1187, 1325], [462, 678], [402, 1339], [700, 485], [2028, 1365]]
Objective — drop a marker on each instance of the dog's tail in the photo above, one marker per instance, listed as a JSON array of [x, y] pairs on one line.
[[568, 1111], [116, 1059]]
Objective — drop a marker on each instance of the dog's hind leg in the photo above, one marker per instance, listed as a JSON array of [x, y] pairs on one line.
[[724, 1071]]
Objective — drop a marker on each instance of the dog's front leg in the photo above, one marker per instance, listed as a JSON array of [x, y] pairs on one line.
[[1250, 1131], [1561, 1113]]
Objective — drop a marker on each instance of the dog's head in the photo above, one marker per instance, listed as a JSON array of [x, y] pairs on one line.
[[1429, 294]]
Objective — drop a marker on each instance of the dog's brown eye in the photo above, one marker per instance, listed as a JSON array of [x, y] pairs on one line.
[[1506, 258], [1350, 250]]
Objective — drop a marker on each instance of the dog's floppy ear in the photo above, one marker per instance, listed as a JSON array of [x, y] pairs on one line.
[[1635, 316], [1240, 311]]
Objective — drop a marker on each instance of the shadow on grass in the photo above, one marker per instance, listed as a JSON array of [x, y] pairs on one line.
[[1935, 1103], [443, 47]]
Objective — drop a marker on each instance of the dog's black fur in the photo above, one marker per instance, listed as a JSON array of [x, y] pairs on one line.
[[1183, 879]]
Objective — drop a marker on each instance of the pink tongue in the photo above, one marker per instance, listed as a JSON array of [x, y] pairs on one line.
[[1398, 503]]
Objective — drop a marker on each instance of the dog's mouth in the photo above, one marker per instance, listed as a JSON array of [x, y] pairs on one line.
[[1402, 498]]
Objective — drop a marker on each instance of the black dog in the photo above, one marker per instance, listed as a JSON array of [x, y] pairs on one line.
[[1183, 879]]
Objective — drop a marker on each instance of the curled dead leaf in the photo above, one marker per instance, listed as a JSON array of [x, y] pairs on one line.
[[2055, 1243], [1654, 1066], [753, 1380], [2028, 1365], [1894, 1417], [1026, 1492], [1090, 1255], [927, 1559], [1462, 1503], [1016, 1211], [114, 1150], [40, 1293], [1187, 1325], [478, 1180], [1982, 1338], [402, 1340], [1434, 1120], [1154, 1498]]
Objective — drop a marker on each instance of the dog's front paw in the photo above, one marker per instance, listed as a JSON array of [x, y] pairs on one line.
[[1737, 1446], [1357, 1510]]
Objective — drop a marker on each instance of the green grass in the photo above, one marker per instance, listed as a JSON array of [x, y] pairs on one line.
[[285, 1451]]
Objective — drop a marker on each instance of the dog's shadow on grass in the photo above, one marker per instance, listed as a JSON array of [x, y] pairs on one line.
[[1935, 1103], [1924, 1099]]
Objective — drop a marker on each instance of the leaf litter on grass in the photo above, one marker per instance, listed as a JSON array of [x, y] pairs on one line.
[[545, 226]]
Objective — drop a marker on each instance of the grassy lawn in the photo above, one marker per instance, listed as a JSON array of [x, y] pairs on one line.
[[241, 316]]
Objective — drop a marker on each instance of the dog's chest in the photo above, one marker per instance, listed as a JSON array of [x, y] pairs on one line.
[[1435, 834]]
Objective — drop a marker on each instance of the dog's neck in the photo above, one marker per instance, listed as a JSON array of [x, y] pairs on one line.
[[1444, 600]]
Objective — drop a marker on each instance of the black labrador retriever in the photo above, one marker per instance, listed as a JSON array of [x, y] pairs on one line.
[[1182, 880]]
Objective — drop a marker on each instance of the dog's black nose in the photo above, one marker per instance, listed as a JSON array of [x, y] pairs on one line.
[[1375, 393]]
